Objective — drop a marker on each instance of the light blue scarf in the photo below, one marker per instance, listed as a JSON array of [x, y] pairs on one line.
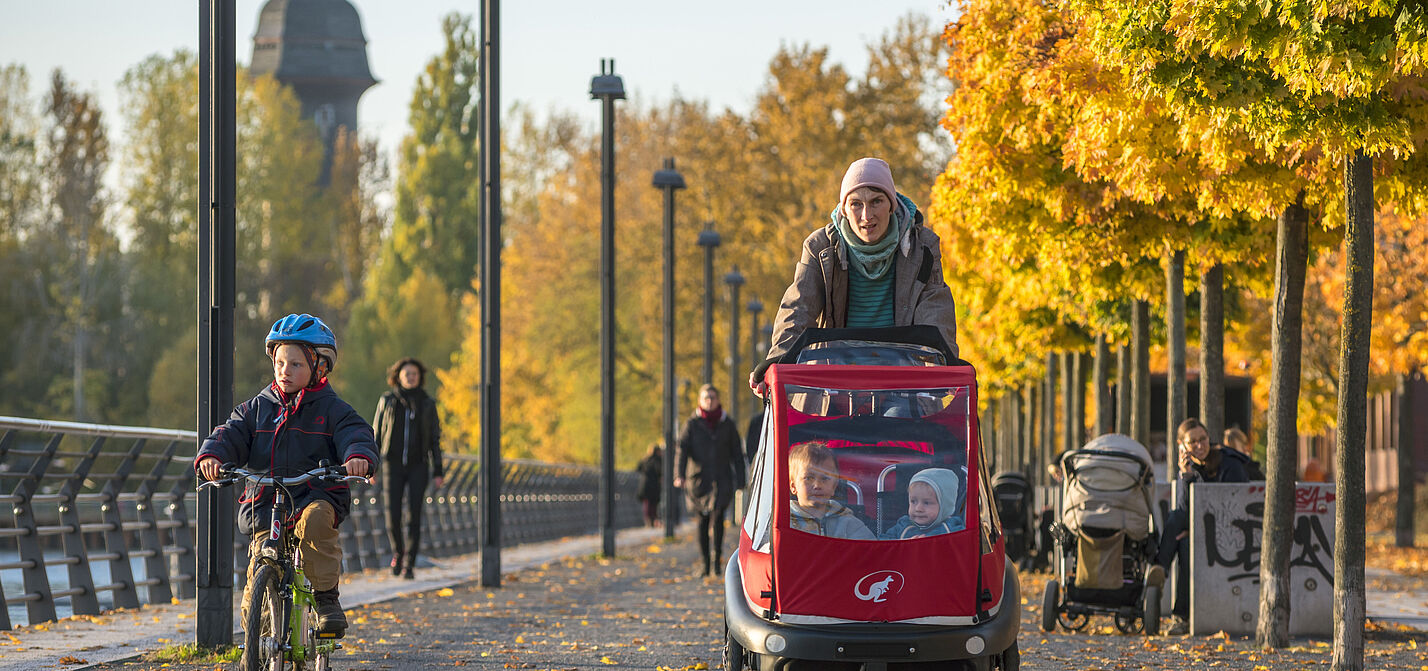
[[875, 260]]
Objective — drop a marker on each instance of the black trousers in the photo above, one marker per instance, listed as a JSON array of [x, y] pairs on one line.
[[408, 484], [1178, 551]]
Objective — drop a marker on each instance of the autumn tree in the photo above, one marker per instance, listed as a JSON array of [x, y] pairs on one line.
[[1310, 79]]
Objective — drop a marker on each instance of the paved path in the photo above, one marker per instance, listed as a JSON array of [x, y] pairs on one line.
[[566, 609]]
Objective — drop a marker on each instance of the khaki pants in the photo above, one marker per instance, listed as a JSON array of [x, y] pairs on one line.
[[318, 545]]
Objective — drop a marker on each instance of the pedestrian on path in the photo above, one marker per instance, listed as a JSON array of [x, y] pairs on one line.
[[710, 466], [409, 434], [874, 264], [651, 470]]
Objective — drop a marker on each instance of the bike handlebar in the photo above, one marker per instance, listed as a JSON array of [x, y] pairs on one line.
[[238, 473]]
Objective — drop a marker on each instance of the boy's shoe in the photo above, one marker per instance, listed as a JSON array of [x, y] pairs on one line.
[[407, 574], [330, 618], [396, 564], [1155, 575], [1179, 627]]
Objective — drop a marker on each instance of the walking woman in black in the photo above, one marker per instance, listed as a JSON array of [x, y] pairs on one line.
[[709, 467], [409, 436]]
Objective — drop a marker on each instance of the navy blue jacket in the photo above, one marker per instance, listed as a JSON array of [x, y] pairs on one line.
[[262, 437]]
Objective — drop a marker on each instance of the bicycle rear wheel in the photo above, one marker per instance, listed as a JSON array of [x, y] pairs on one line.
[[265, 627]]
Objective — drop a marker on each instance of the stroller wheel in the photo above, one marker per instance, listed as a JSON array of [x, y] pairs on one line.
[[1050, 610], [1128, 623], [1151, 614], [1074, 621]]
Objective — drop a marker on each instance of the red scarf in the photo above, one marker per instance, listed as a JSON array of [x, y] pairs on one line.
[[712, 417]]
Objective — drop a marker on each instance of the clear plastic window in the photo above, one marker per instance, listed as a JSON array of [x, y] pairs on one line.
[[885, 464], [758, 520], [870, 353]]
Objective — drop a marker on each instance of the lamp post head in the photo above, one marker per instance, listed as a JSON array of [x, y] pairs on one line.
[[755, 306], [668, 177], [709, 237], [607, 84], [735, 278]]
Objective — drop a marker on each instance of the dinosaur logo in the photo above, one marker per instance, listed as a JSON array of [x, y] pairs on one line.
[[880, 585]]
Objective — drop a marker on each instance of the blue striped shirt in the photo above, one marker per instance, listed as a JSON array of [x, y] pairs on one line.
[[870, 302]]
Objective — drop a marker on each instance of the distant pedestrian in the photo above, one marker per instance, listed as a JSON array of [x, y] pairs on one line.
[[875, 264], [752, 434], [651, 470], [710, 466], [1200, 461], [1235, 438], [409, 434]]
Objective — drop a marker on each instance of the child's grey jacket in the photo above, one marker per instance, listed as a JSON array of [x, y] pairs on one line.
[[839, 522]]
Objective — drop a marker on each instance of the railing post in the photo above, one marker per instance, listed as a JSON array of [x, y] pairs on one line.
[[120, 572], [5, 442], [36, 580], [156, 565], [465, 487], [86, 602], [182, 539]]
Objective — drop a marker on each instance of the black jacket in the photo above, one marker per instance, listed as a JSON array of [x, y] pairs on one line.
[[711, 463], [1228, 466], [288, 437], [409, 435]]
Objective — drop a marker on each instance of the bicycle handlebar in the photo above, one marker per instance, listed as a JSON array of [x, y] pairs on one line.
[[238, 473]]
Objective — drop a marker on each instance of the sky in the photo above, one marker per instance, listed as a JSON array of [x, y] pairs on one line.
[[712, 51]]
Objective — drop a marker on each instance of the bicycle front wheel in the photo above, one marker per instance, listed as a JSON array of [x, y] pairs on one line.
[[264, 627]]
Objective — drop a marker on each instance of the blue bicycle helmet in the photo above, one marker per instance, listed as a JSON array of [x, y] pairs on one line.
[[310, 331]]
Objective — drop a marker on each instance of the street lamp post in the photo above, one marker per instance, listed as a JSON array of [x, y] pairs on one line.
[[734, 279], [607, 87], [668, 180], [755, 306], [709, 240]]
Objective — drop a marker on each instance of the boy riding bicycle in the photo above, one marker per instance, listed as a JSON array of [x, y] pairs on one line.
[[292, 426]]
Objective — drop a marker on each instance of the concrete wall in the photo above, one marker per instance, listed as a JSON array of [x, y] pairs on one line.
[[1225, 556]]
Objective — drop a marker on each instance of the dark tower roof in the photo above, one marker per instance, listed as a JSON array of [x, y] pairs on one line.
[[312, 41]]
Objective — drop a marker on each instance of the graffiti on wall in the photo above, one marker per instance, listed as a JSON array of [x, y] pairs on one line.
[[1233, 540]]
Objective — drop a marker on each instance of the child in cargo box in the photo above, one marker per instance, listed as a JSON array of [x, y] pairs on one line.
[[813, 477]]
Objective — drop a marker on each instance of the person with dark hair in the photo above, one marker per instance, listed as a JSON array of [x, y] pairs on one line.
[[1235, 438], [1200, 461], [651, 470], [409, 435], [710, 466]]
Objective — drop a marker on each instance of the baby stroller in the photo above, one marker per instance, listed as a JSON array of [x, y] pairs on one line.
[[1013, 496], [1105, 540]]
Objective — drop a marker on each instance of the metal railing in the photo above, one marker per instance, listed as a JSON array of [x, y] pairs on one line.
[[104, 516]]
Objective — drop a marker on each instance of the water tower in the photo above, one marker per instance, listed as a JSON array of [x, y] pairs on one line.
[[316, 47]]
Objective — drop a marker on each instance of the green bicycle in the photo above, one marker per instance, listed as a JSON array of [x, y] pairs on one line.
[[280, 614]]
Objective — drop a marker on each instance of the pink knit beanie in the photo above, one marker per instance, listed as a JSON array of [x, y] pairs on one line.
[[872, 172]]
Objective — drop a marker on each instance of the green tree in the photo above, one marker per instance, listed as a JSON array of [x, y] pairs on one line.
[[438, 195], [20, 212], [160, 195]]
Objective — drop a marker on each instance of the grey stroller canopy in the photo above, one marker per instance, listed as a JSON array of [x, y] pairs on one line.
[[1108, 485]]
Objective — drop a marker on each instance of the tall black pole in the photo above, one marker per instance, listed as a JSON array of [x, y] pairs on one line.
[[709, 240], [607, 87], [668, 180], [755, 306], [734, 279], [490, 473], [216, 260]]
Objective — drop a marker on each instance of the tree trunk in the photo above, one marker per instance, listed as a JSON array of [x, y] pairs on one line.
[[1291, 255], [1123, 390], [1101, 382], [1068, 401], [1140, 372], [1077, 419], [1212, 351], [1032, 410], [1175, 341], [1403, 532], [1048, 413], [1353, 415]]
